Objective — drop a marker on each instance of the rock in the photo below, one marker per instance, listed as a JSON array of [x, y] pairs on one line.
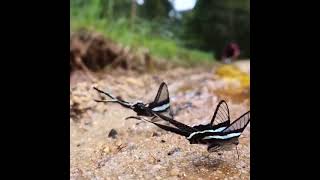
[[113, 134], [106, 149], [154, 134], [174, 151]]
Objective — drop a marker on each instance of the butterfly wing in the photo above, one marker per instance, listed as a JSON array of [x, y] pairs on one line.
[[220, 119], [161, 103], [221, 114], [239, 124], [233, 131]]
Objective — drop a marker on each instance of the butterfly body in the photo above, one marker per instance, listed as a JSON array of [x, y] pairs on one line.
[[142, 110], [219, 134], [161, 104]]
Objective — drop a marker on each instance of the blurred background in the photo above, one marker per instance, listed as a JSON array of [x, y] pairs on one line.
[[190, 31]]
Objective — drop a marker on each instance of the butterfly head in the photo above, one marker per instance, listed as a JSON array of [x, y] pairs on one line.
[[141, 109], [138, 105]]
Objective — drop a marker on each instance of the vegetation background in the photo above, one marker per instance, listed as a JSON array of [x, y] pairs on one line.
[[193, 34]]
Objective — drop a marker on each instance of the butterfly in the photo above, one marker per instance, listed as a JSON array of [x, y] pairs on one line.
[[160, 105], [219, 134]]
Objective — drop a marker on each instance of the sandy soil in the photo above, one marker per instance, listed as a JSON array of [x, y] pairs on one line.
[[140, 150]]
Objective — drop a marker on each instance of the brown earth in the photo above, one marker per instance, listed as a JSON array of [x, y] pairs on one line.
[[141, 150], [92, 52]]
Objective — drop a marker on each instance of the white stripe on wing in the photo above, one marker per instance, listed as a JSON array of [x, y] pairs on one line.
[[231, 135], [200, 132], [161, 108]]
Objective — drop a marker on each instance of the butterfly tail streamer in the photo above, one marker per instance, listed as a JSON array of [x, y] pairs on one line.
[[179, 125], [114, 99], [105, 93], [171, 129]]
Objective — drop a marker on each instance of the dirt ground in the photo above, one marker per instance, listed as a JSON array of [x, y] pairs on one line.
[[140, 150]]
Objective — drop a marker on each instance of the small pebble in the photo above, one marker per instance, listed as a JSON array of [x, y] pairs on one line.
[[162, 141], [106, 149], [113, 134], [154, 134], [174, 151]]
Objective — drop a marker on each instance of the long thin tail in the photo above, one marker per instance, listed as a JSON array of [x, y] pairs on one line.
[[114, 99], [179, 125], [100, 91], [168, 128], [127, 105]]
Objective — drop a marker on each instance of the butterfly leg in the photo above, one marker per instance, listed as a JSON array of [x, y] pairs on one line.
[[138, 118], [134, 117], [154, 119]]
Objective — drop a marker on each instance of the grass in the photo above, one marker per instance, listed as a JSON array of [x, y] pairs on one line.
[[140, 35]]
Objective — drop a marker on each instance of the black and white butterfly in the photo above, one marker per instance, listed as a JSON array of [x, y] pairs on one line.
[[160, 105], [219, 134]]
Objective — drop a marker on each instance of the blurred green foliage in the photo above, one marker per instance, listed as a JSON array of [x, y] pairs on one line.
[[214, 23], [186, 37]]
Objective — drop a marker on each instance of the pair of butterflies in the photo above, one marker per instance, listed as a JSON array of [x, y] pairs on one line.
[[219, 134]]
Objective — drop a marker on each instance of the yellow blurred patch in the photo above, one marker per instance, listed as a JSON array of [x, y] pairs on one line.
[[231, 73], [238, 82]]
